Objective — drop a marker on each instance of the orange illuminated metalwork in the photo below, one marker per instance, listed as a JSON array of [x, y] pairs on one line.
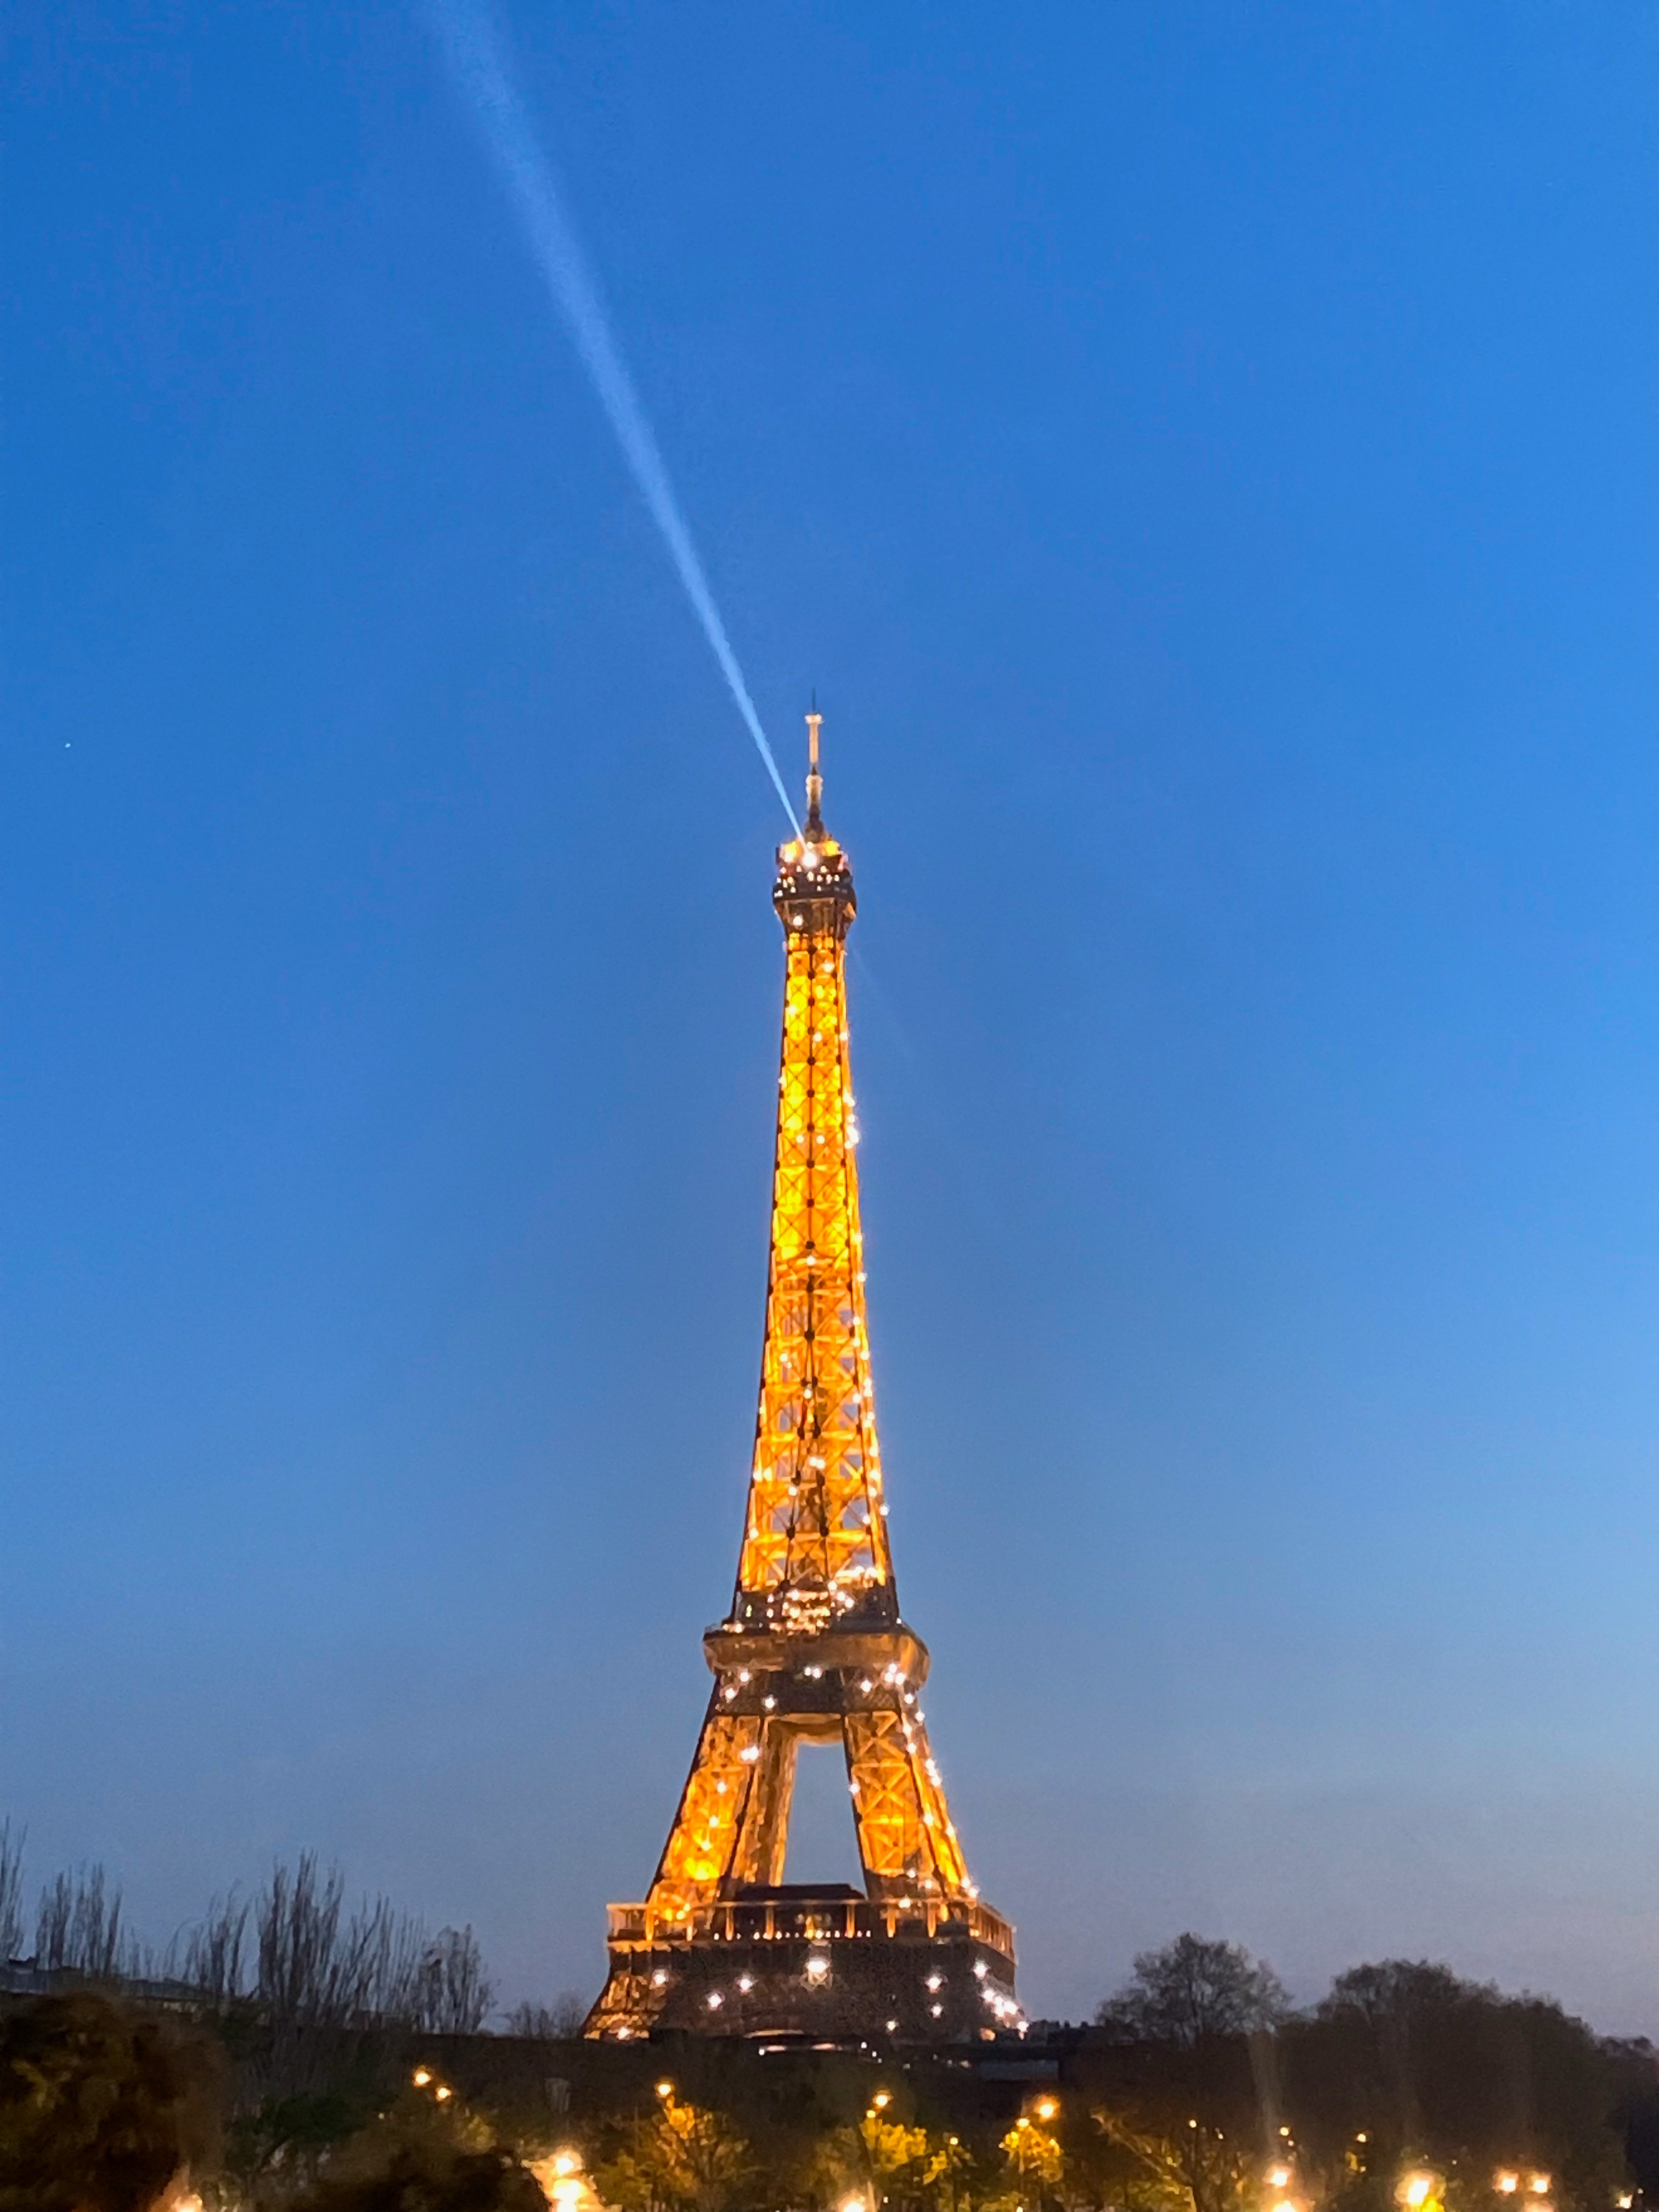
[[814, 1649]]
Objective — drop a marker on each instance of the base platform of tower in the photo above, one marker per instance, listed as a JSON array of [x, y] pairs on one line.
[[814, 1649]]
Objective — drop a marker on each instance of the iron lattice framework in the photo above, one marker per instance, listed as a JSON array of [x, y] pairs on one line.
[[814, 1649]]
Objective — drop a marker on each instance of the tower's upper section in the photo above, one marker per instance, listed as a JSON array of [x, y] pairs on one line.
[[815, 1553], [814, 888]]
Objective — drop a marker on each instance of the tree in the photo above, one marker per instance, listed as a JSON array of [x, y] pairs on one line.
[[1182, 2085], [209, 1957], [1393, 1989], [424, 2156], [436, 2177], [11, 1891], [318, 1967], [1034, 2154], [78, 1928], [103, 2109], [680, 2158], [1121, 2157], [1195, 1990], [914, 2166], [1173, 2165], [452, 1993], [1426, 2066], [559, 2022]]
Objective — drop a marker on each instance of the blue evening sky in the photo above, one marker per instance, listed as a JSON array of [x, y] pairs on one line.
[[1205, 457]]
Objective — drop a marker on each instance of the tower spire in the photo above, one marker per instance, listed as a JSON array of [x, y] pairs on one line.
[[814, 780]]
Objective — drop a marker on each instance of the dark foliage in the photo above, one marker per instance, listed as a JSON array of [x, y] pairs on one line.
[[1188, 2121], [430, 2177], [292, 2134], [1427, 2066], [101, 2107]]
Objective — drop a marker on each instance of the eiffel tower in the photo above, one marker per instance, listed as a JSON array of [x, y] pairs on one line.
[[814, 1649]]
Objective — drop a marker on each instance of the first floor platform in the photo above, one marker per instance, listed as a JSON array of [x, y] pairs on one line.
[[817, 1966]]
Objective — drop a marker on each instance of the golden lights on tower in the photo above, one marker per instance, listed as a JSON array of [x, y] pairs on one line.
[[813, 1648]]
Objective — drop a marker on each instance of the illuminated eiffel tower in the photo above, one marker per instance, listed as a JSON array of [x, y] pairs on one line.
[[813, 1650]]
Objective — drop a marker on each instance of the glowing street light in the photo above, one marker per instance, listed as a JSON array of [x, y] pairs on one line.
[[563, 2184]]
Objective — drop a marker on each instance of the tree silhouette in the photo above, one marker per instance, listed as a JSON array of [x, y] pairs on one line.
[[1195, 1990]]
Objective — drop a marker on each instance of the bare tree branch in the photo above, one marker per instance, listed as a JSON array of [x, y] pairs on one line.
[[210, 1957], [11, 1890], [559, 2022], [453, 1994], [78, 1929]]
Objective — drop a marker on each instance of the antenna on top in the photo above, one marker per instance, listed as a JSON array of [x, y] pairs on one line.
[[814, 781]]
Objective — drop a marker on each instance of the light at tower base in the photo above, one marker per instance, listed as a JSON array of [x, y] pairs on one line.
[[813, 1650]]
